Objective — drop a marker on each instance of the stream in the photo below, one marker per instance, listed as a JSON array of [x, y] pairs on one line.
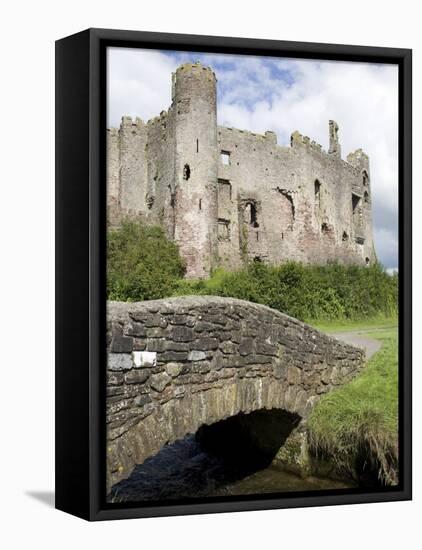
[[184, 470]]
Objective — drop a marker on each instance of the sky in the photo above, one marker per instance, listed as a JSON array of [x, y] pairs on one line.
[[283, 95]]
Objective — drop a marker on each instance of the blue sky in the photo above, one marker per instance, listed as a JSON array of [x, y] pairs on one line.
[[283, 95]]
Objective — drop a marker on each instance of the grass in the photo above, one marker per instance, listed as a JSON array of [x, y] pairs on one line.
[[364, 325], [356, 426]]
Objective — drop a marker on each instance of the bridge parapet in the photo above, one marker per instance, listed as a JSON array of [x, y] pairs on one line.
[[179, 363]]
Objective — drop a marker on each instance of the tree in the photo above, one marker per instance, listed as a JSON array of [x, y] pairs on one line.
[[142, 264]]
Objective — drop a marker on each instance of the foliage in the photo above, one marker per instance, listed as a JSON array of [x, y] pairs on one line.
[[358, 423], [142, 264], [307, 292]]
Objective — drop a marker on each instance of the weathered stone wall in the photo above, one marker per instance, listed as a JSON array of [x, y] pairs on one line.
[[177, 364], [257, 200]]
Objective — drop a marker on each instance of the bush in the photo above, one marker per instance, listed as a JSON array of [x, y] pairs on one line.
[[142, 264], [309, 292]]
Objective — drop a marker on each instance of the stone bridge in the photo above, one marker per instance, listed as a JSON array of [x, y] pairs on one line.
[[177, 364]]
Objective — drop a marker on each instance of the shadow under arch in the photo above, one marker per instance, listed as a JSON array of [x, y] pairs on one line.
[[216, 456]]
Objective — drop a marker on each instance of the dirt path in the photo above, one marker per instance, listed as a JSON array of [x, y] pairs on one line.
[[355, 338]]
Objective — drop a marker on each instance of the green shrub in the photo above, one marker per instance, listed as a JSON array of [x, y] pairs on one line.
[[309, 292], [142, 264]]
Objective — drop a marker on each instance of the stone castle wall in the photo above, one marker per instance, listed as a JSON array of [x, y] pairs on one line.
[[227, 195]]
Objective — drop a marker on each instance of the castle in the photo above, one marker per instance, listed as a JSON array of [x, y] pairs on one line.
[[227, 196]]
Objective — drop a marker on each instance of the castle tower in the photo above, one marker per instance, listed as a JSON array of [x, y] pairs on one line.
[[195, 178]]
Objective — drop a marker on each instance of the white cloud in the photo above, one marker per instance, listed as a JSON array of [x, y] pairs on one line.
[[139, 83], [284, 95]]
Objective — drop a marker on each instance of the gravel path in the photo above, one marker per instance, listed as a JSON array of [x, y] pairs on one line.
[[355, 338]]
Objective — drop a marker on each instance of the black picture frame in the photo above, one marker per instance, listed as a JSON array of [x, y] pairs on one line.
[[80, 268]]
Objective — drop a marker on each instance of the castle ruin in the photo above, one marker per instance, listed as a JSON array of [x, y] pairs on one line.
[[227, 196]]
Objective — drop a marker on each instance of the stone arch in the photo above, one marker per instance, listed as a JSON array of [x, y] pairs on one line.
[[178, 364]]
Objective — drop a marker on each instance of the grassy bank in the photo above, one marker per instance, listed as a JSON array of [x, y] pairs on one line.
[[356, 426], [364, 326]]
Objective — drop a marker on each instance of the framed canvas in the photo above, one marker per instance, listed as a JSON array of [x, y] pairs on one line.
[[233, 297]]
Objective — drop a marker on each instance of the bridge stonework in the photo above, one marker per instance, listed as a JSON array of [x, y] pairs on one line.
[[180, 363]]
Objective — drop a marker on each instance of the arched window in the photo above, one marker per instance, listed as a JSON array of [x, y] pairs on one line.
[[365, 178], [366, 196]]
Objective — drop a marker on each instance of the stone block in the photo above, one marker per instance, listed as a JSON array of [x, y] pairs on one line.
[[196, 355], [294, 375], [134, 328], [246, 346], [169, 356], [155, 320], [202, 326], [264, 348], [159, 381], [228, 347], [205, 343], [136, 376], [180, 333], [121, 344], [154, 332], [176, 346], [174, 369], [144, 358], [142, 400], [156, 344], [119, 361]]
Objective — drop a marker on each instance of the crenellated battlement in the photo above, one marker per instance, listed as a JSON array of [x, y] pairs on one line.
[[299, 139], [128, 121], [358, 158], [195, 68], [269, 137], [160, 119]]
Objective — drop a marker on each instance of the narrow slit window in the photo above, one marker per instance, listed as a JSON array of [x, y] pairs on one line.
[[186, 172]]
